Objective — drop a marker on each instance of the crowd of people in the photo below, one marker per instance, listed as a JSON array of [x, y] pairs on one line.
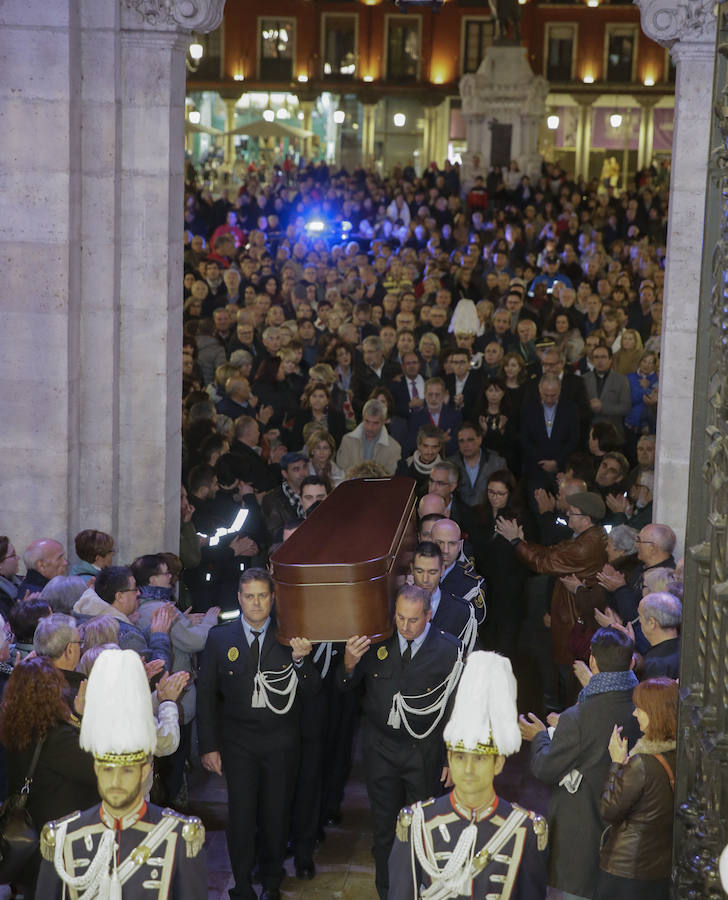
[[496, 340]]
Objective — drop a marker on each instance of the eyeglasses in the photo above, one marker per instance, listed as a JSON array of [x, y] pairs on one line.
[[440, 483], [134, 590], [639, 540]]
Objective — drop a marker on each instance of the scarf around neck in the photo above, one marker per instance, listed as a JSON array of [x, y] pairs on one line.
[[155, 592], [293, 498], [423, 468], [603, 682]]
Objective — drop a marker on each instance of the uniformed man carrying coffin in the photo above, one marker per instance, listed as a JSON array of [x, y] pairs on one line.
[[472, 843], [248, 724], [409, 680], [125, 847]]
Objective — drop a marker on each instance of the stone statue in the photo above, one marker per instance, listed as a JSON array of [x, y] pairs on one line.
[[507, 17]]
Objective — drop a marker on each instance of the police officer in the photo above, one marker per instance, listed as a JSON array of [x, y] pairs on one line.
[[252, 733], [409, 679], [459, 577], [449, 613]]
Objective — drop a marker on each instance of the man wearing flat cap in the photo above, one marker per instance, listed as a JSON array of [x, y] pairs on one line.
[[582, 556]]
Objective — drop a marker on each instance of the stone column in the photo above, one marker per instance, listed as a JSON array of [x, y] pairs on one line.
[[647, 131], [689, 30], [230, 103], [368, 129], [92, 102], [583, 135], [307, 109]]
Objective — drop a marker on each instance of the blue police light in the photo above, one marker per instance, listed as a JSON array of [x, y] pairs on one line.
[[315, 226], [346, 226]]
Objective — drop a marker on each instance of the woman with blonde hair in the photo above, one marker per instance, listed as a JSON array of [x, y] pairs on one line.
[[429, 347], [627, 358], [320, 448]]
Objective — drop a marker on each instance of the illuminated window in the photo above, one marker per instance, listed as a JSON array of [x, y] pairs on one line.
[[339, 46], [277, 42], [403, 48], [478, 35], [560, 40]]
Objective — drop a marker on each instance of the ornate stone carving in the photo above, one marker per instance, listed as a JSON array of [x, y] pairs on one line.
[[171, 15], [702, 787], [669, 22]]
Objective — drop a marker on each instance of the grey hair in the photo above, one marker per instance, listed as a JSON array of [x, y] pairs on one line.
[[453, 473], [53, 634], [85, 664], [374, 407], [624, 538], [664, 608], [35, 552], [62, 592]]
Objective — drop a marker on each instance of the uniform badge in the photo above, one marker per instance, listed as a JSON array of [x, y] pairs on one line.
[[479, 602], [233, 654], [382, 653]]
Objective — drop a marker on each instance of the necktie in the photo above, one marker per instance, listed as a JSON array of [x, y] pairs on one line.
[[255, 648], [415, 395], [407, 655]]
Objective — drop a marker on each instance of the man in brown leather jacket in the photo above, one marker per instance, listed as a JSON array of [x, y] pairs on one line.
[[583, 556]]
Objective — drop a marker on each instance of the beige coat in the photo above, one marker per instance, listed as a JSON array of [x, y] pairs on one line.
[[387, 451]]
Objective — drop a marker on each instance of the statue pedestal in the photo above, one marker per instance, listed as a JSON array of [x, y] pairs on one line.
[[503, 105]]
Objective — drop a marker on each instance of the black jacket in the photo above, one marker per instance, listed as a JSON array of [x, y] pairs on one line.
[[225, 688], [64, 779], [384, 674], [580, 742]]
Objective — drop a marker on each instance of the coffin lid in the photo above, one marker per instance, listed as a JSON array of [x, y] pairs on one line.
[[353, 536]]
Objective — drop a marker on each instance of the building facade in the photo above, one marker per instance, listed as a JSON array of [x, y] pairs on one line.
[[374, 83]]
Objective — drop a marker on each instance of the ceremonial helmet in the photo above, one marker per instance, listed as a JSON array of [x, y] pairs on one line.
[[118, 722], [484, 717]]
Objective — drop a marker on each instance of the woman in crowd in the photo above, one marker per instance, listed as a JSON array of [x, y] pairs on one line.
[[9, 580], [321, 447], [643, 385], [95, 550], [396, 425], [315, 407], [627, 358], [566, 335], [603, 438], [638, 800], [429, 347], [33, 709], [496, 561], [272, 389], [498, 432]]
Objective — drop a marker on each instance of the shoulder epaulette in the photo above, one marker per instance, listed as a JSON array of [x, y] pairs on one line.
[[193, 831], [404, 820], [48, 835], [540, 828]]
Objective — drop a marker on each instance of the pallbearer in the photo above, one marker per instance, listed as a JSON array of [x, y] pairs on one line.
[[472, 843]]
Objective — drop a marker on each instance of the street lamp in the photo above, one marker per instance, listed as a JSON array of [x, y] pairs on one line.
[[552, 123], [339, 116], [400, 120]]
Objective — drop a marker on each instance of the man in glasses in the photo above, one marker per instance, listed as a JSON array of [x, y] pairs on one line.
[[655, 545]]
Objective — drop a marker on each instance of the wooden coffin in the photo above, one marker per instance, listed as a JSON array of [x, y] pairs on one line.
[[337, 574]]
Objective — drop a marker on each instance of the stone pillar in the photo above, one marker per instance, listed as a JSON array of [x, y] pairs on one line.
[[307, 109], [647, 131], [230, 103], [368, 129], [689, 31], [429, 137], [583, 136], [92, 230]]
